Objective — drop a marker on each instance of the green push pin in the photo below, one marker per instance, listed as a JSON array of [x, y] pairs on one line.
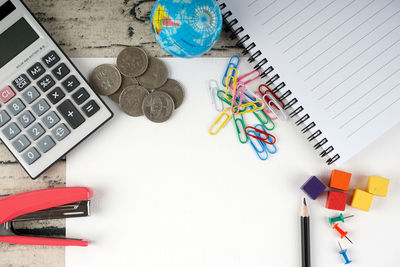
[[341, 218]]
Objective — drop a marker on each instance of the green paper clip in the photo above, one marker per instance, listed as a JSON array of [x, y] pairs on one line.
[[240, 128], [264, 120]]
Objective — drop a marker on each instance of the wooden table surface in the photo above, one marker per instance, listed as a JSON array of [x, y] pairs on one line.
[[83, 28]]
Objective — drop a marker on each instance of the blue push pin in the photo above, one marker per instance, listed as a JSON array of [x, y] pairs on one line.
[[344, 254]]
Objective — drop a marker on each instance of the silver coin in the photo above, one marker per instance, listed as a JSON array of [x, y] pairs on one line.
[[105, 79], [132, 61], [158, 106], [126, 81], [156, 74], [175, 90], [131, 100]]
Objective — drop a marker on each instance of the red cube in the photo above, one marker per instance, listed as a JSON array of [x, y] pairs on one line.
[[336, 200]]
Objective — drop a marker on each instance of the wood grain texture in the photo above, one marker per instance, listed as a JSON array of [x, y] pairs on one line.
[[83, 28]]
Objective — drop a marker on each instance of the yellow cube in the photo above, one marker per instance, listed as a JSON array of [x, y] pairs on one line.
[[361, 200], [378, 185]]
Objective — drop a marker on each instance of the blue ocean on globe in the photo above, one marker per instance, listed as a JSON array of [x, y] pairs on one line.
[[186, 28]]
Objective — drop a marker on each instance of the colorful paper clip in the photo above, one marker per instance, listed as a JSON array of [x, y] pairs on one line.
[[265, 138], [268, 90], [267, 111], [270, 144], [240, 128], [260, 150], [221, 121], [253, 107], [275, 107], [233, 64], [216, 102], [253, 76], [221, 96], [239, 89], [232, 78]]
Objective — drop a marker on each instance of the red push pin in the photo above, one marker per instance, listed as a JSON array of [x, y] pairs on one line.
[[341, 232]]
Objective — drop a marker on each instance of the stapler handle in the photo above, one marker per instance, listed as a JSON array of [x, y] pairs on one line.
[[16, 205], [42, 241]]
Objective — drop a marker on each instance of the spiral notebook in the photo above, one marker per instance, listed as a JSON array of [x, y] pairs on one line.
[[335, 63]]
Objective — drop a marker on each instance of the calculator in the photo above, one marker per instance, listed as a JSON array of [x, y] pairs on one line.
[[46, 106]]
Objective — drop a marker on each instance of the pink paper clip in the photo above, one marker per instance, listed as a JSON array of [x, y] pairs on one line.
[[239, 89], [254, 73]]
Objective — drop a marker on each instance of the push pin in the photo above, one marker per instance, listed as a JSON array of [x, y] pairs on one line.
[[344, 254], [338, 218], [341, 232]]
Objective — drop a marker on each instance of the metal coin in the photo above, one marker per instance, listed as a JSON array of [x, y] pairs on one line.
[[126, 81], [158, 106], [105, 79], [156, 74], [131, 100], [132, 61], [175, 90]]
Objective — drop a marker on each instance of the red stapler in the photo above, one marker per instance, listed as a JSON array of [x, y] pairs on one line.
[[43, 204]]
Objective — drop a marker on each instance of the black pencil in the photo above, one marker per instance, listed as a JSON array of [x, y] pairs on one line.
[[305, 235]]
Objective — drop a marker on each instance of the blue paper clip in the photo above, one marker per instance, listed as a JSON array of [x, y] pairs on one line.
[[231, 63], [259, 151], [266, 146]]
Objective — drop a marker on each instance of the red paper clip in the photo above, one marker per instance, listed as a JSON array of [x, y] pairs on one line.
[[272, 93], [263, 139]]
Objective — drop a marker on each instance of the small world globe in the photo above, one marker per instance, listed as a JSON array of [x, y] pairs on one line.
[[186, 28]]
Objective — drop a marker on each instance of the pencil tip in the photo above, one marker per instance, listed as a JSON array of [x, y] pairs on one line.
[[304, 201]]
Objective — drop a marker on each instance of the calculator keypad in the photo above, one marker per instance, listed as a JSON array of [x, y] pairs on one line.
[[42, 107], [36, 71], [16, 106]]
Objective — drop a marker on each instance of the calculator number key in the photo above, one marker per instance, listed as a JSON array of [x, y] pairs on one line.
[[36, 71], [71, 114], [30, 95], [46, 143], [60, 132], [70, 83], [11, 131], [51, 59], [60, 71], [26, 119], [80, 96], [6, 94], [46, 83], [31, 155], [4, 118], [41, 107], [90, 108], [16, 107], [50, 119], [21, 143], [56, 95], [36, 131], [21, 82]]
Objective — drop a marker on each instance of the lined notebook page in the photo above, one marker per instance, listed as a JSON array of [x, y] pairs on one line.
[[339, 58]]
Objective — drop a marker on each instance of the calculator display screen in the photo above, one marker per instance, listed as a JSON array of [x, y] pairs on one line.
[[15, 39]]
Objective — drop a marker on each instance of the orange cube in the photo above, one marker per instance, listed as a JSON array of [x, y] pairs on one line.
[[340, 180]]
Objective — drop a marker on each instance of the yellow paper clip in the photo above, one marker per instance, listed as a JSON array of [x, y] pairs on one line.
[[221, 121], [254, 106], [231, 80]]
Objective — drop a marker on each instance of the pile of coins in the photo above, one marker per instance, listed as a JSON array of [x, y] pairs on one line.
[[139, 84]]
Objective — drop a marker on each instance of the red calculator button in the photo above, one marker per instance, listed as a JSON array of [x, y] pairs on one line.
[[6, 94]]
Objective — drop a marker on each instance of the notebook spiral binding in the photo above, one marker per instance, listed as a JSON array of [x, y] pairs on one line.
[[256, 56]]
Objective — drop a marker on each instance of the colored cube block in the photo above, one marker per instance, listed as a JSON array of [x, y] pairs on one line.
[[313, 187], [336, 200], [340, 180], [378, 185], [361, 200]]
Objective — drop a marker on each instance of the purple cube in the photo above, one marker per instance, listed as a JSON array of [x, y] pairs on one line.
[[313, 187]]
